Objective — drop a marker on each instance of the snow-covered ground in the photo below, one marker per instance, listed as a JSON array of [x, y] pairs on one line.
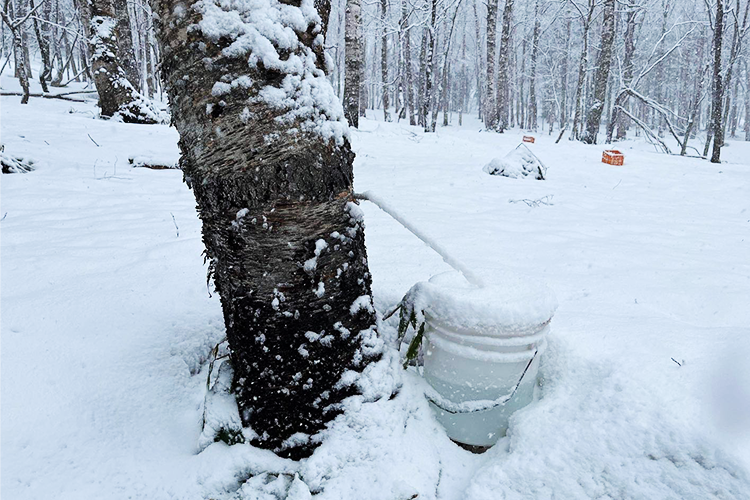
[[107, 322]]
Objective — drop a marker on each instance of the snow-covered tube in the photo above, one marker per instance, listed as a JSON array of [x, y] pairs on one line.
[[483, 347]]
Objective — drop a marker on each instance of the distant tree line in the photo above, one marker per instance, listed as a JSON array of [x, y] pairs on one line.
[[590, 70]]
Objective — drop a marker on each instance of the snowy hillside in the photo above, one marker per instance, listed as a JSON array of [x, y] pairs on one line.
[[108, 324]]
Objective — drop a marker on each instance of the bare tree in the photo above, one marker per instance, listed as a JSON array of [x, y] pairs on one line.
[[503, 78], [490, 109], [353, 61], [594, 116]]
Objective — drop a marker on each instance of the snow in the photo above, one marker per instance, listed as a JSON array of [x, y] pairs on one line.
[[266, 32], [521, 162], [510, 306], [108, 327]]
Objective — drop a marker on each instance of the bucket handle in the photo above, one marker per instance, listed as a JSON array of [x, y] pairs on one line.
[[475, 406]]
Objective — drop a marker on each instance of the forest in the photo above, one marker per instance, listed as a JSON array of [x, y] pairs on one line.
[[655, 68]]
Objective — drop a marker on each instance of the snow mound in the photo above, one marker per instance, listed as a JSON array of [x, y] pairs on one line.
[[520, 162], [514, 305], [154, 162], [597, 434]]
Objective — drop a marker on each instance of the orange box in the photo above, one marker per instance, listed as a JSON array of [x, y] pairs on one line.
[[613, 157], [528, 138]]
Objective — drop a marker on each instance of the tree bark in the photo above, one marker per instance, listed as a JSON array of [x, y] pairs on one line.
[[532, 124], [408, 79], [431, 32], [503, 79], [718, 87], [353, 61], [125, 52], [273, 182], [16, 31], [582, 64], [564, 78], [490, 111], [384, 59], [43, 45], [116, 95], [627, 75], [593, 119]]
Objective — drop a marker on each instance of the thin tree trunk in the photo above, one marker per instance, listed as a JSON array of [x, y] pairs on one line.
[[490, 110], [43, 44], [353, 61], [718, 87], [582, 67], [620, 119], [503, 80], [18, 49], [408, 80], [286, 243], [564, 78], [480, 87], [384, 60], [125, 52], [429, 67], [594, 116], [532, 76], [422, 79]]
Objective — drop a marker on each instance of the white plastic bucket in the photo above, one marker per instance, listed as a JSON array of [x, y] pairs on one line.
[[466, 368], [482, 352]]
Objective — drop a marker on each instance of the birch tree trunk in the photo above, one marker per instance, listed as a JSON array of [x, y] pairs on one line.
[[16, 31], [503, 79], [43, 44], [408, 80], [532, 77], [621, 119], [353, 61], [271, 168], [594, 116], [116, 94], [125, 52], [582, 64], [384, 60], [718, 87], [430, 69], [490, 111], [564, 78]]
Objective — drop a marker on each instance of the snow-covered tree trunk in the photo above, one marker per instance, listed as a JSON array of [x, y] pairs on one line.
[[384, 59], [44, 49], [116, 94], [16, 31], [594, 116], [532, 123], [429, 71], [564, 78], [717, 97], [503, 78], [582, 68], [478, 45], [125, 52], [620, 119], [265, 148], [408, 80], [423, 102], [490, 110], [353, 61]]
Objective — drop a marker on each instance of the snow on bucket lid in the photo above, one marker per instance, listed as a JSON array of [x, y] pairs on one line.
[[515, 306]]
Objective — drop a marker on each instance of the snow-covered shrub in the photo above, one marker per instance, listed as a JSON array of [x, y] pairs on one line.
[[520, 162], [16, 164]]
